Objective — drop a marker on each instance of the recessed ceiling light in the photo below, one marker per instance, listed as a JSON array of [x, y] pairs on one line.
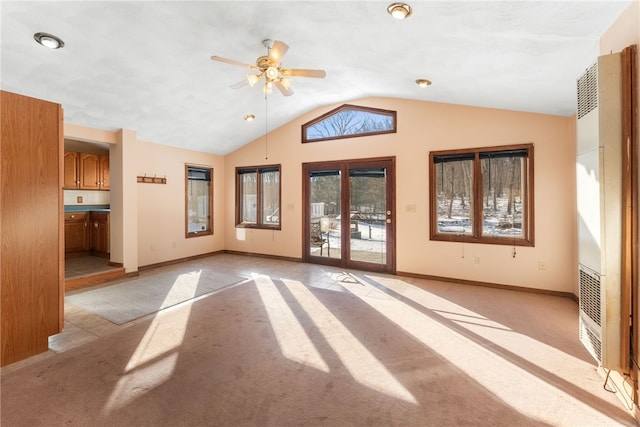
[[48, 40], [399, 10], [249, 117], [423, 82]]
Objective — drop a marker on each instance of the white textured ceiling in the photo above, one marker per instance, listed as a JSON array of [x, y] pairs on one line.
[[145, 65]]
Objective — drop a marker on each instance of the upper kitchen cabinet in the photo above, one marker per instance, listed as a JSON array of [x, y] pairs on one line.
[[71, 172], [89, 171], [104, 173], [86, 171], [31, 219]]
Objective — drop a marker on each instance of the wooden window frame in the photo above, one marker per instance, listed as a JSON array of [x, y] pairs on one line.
[[528, 223], [346, 107], [258, 170], [189, 234]]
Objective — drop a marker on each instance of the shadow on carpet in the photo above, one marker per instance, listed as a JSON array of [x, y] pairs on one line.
[[130, 300]]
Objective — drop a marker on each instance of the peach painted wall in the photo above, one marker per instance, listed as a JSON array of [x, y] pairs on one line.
[[423, 127], [161, 207]]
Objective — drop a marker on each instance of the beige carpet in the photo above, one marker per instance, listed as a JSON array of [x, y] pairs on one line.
[[346, 350]]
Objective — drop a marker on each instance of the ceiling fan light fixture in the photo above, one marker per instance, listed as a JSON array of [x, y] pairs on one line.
[[423, 82], [253, 79], [267, 88], [271, 73], [49, 40], [399, 10]]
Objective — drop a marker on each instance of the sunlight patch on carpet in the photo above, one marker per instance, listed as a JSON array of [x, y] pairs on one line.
[[154, 359], [363, 366], [294, 342], [492, 366]]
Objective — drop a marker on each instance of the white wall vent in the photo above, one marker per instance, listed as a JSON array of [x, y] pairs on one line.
[[599, 187]]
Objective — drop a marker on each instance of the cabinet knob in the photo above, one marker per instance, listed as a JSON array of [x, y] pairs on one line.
[[73, 216], [95, 224]]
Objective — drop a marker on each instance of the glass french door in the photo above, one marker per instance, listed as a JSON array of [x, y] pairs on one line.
[[348, 215]]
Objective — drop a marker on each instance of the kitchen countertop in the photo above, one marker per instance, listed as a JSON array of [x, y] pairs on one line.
[[87, 208]]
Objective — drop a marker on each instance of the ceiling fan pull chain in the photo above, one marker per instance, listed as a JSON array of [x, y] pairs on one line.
[[266, 129]]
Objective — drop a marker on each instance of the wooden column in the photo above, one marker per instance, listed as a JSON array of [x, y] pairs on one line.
[[31, 225]]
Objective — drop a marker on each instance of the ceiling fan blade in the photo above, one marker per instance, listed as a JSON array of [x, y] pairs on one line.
[[232, 62], [241, 83], [320, 74], [284, 90], [278, 51]]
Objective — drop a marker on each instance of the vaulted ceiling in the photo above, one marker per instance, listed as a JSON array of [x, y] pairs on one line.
[[146, 66]]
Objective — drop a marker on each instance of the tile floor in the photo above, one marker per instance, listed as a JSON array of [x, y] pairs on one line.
[[81, 266]]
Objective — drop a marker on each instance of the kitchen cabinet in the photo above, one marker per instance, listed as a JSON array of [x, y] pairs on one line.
[[86, 232], [86, 171], [89, 167], [71, 172], [76, 236], [99, 233], [104, 173], [31, 220]]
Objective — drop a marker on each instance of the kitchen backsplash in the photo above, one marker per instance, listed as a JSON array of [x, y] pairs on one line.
[[88, 197]]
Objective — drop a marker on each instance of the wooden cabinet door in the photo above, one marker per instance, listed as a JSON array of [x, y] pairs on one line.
[[76, 238], [99, 233], [102, 245], [89, 171], [93, 235], [104, 173], [71, 180]]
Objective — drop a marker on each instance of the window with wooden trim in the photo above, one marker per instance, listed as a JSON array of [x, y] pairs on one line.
[[482, 195], [258, 197], [349, 121], [198, 201]]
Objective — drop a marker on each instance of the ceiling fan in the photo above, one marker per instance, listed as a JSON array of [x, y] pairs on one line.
[[270, 67]]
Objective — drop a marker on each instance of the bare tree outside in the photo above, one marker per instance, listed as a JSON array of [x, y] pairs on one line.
[[349, 122], [454, 184], [502, 194]]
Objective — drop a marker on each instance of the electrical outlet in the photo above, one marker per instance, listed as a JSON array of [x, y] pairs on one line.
[[477, 260], [173, 244], [79, 199], [541, 265]]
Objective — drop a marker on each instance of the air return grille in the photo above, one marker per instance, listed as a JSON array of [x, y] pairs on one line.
[[588, 91], [590, 312], [590, 295], [591, 341]]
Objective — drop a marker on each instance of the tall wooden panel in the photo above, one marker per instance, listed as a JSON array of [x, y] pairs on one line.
[[31, 224]]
